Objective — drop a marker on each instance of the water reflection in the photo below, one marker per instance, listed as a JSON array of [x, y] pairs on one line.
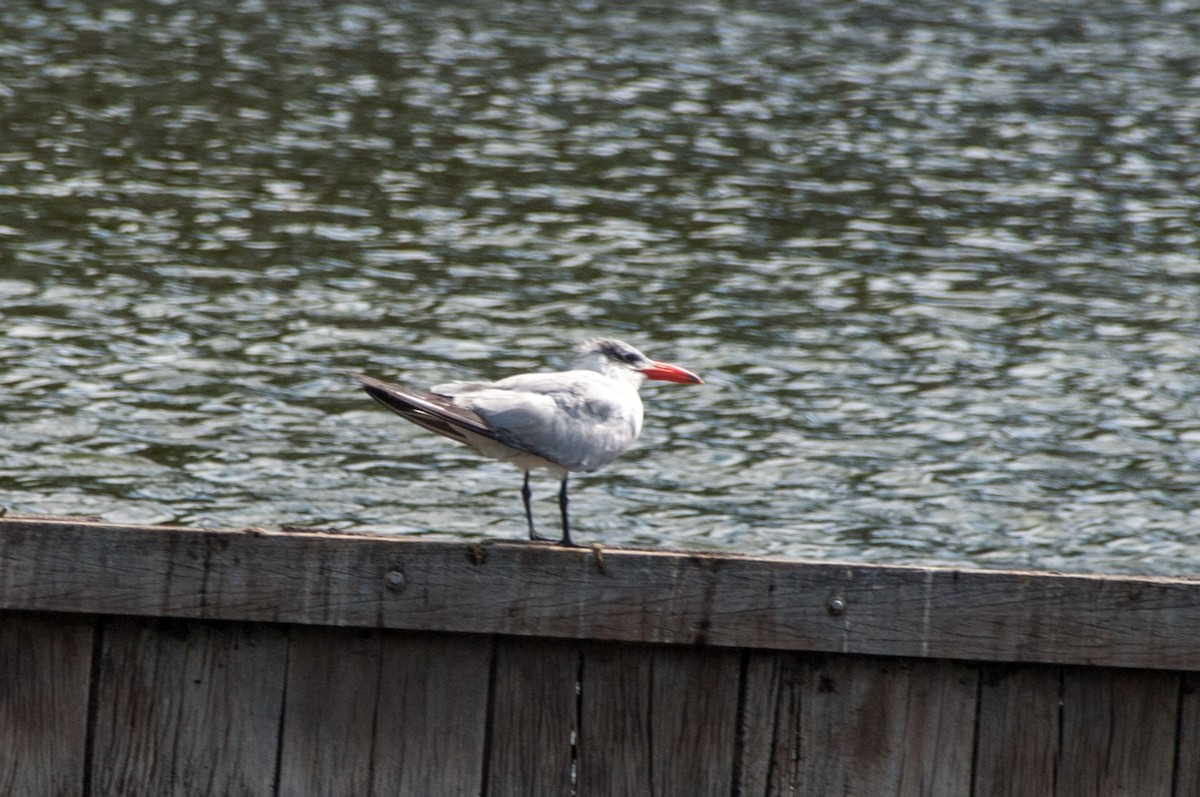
[[937, 264]]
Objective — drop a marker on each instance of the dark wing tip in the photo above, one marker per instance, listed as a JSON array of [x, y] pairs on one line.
[[434, 412]]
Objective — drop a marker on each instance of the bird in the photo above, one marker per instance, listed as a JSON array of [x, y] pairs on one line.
[[565, 422]]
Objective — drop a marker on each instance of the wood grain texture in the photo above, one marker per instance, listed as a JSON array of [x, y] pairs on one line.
[[1019, 733], [1118, 733], [854, 726], [638, 596], [615, 730], [431, 721], [45, 667], [658, 721], [187, 708], [1187, 746], [533, 722], [772, 723], [329, 715], [693, 720]]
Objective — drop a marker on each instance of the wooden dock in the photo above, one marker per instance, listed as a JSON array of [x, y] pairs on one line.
[[171, 661]]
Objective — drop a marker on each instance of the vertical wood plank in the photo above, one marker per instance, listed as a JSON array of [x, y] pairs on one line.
[[771, 723], [614, 723], [329, 716], [1017, 746], [938, 736], [865, 727], [432, 715], [533, 718], [1118, 733], [45, 667], [187, 708], [693, 716], [657, 721], [1187, 746]]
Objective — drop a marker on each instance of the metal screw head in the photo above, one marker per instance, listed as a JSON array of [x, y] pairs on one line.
[[395, 579], [836, 605]]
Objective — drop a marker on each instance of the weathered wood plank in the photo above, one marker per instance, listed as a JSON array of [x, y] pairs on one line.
[[1187, 746], [187, 708], [614, 725], [1118, 733], [938, 738], [856, 726], [1018, 741], [638, 596], [693, 720], [775, 697], [45, 668], [430, 729], [329, 715], [657, 721], [533, 720]]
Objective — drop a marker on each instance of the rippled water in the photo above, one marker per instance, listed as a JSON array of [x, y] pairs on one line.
[[938, 261]]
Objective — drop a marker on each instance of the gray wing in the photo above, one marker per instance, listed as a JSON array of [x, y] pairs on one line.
[[568, 418]]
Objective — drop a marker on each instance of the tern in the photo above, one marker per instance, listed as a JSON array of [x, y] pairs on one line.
[[564, 422]]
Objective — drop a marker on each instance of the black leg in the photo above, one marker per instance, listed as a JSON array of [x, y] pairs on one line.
[[562, 507], [525, 495]]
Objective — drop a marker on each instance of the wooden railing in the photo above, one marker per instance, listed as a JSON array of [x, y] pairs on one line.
[[173, 661]]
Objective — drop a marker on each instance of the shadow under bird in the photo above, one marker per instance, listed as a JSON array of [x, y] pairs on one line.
[[566, 421]]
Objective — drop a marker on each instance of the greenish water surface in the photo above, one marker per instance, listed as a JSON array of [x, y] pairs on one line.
[[937, 261]]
